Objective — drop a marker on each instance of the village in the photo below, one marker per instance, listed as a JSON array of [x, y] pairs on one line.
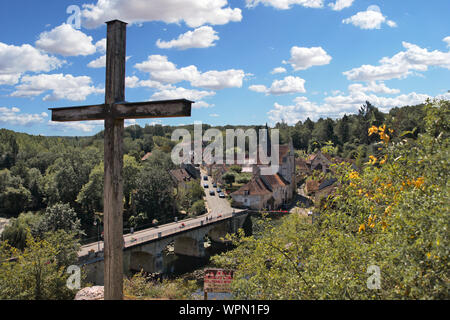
[[299, 185]]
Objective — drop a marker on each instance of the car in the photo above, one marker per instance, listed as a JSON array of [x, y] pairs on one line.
[[206, 185], [182, 225], [221, 195], [211, 193], [215, 185], [205, 178], [219, 190], [219, 215]]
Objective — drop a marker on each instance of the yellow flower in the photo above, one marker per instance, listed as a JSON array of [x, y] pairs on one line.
[[384, 137], [354, 175], [362, 228], [387, 210], [419, 182], [373, 160], [373, 130]]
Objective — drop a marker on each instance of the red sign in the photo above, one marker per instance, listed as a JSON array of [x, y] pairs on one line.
[[218, 280]]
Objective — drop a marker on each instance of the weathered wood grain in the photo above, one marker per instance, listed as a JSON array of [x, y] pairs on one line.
[[113, 143], [125, 110]]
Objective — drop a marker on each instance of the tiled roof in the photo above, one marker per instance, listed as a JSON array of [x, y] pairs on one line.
[[254, 187], [180, 175], [274, 181], [262, 185]]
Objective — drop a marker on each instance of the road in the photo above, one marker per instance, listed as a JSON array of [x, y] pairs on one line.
[[219, 209]]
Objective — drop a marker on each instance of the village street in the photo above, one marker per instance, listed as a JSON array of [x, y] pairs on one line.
[[214, 203]]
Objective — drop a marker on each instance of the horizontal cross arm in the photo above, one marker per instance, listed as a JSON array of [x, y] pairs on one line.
[[95, 112], [125, 110], [153, 109]]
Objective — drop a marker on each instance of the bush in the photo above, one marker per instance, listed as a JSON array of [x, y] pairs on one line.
[[139, 286], [198, 208]]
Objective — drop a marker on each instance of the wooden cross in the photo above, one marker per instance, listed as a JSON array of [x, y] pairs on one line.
[[114, 111]]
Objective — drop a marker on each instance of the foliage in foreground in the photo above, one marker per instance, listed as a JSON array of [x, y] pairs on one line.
[[139, 287], [394, 215], [39, 272]]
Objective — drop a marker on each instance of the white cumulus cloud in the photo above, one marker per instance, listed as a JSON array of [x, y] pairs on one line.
[[16, 60], [193, 12], [285, 4], [59, 86], [66, 41], [12, 116], [162, 70], [278, 70], [447, 40], [288, 85], [202, 37], [401, 65], [341, 4], [183, 93], [305, 58], [372, 18]]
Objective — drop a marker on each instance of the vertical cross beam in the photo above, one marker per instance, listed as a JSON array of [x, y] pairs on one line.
[[113, 161]]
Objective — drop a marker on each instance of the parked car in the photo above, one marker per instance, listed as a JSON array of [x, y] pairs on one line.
[[221, 195], [206, 185], [211, 193], [215, 185], [219, 190], [205, 178]]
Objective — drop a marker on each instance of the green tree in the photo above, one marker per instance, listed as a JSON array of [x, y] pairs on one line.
[[198, 208], [229, 178], [39, 272], [18, 229], [154, 195], [59, 217], [14, 200]]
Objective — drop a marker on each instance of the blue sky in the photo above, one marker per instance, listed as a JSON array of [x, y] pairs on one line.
[[242, 61]]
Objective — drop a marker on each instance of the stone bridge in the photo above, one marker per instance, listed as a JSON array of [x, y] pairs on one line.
[[144, 250]]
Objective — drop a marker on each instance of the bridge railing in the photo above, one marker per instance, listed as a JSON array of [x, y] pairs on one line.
[[180, 226], [159, 232]]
